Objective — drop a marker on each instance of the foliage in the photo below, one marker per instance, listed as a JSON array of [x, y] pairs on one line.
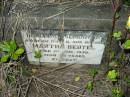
[[115, 62], [123, 57], [117, 93], [126, 2], [112, 75], [126, 45], [10, 51], [4, 58], [117, 35], [38, 54], [89, 86]]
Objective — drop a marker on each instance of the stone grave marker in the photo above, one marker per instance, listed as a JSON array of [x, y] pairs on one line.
[[80, 47]]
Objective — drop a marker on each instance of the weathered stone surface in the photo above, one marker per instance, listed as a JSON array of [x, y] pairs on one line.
[[70, 46], [85, 16]]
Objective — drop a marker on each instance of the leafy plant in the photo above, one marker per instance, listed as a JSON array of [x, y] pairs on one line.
[[38, 54], [112, 75], [117, 93], [126, 2], [4, 58], [117, 35], [93, 72], [126, 45], [89, 86], [9, 50], [123, 57]]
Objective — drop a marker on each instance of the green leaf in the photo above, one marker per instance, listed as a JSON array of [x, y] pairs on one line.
[[38, 54], [8, 46], [13, 45], [5, 47], [19, 51], [126, 45], [117, 93], [117, 35], [89, 86], [4, 58], [77, 78], [15, 57], [112, 75]]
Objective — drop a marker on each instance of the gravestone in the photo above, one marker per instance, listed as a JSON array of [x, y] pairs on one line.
[[81, 47]]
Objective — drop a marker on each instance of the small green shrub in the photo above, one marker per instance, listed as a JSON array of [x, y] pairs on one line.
[[126, 45], [10, 51], [112, 75], [117, 93], [38, 54], [89, 86], [117, 35]]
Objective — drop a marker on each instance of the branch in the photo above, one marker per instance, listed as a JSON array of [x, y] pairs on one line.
[[58, 86], [59, 68], [117, 9], [30, 81]]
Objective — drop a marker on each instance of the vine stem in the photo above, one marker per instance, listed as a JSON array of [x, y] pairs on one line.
[[117, 9]]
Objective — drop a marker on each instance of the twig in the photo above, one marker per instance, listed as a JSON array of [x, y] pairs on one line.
[[117, 9], [59, 68], [36, 86], [64, 11], [58, 86], [27, 89], [19, 91]]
